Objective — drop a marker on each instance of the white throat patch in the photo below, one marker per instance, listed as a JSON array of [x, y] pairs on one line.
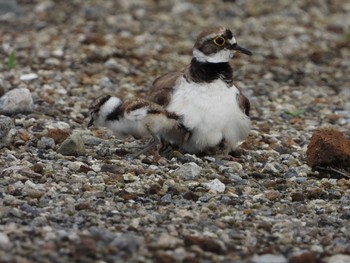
[[222, 56]]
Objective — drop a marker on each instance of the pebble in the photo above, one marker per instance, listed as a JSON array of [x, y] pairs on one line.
[[27, 77], [297, 197], [75, 166], [272, 195], [167, 241], [4, 241], [273, 168], [46, 143], [236, 178], [188, 171], [18, 100], [269, 258], [6, 124], [215, 185], [34, 190], [127, 242]]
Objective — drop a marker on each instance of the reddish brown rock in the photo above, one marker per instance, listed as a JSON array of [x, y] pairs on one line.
[[308, 257], [328, 147], [58, 135]]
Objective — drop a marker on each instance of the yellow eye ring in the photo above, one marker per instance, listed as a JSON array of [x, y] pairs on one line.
[[219, 41]]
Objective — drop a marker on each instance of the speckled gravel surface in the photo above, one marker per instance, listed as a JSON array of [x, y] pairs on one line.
[[266, 205]]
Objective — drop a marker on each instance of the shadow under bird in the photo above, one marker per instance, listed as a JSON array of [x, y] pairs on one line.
[[138, 118], [213, 109]]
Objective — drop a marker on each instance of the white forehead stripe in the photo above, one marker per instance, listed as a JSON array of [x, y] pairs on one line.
[[232, 41]]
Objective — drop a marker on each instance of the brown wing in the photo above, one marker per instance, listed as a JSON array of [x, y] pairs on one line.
[[244, 103], [162, 88]]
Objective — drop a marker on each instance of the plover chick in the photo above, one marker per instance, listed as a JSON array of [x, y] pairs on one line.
[[214, 110], [138, 118]]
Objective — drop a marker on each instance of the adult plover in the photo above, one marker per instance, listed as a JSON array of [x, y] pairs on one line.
[[138, 118], [213, 109]]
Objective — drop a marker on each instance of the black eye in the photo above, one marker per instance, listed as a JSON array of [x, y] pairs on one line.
[[219, 41]]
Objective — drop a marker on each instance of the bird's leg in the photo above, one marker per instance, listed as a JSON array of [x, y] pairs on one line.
[[151, 144]]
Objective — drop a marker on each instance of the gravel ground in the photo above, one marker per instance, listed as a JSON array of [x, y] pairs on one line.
[[266, 205]]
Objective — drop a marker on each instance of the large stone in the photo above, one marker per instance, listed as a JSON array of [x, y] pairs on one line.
[[328, 147], [74, 144], [18, 100]]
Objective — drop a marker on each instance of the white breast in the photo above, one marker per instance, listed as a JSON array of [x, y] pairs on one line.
[[211, 112]]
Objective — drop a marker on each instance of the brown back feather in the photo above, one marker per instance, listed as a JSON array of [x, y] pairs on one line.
[[162, 88]]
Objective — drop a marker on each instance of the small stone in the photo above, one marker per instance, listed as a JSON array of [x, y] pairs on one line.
[[129, 177], [167, 241], [58, 135], [33, 190], [37, 168], [207, 244], [75, 166], [273, 168], [23, 135], [111, 168], [269, 258], [60, 125], [236, 178], [4, 241], [272, 195], [235, 166], [301, 180], [216, 185], [6, 124], [127, 242], [166, 199], [15, 101], [82, 206], [188, 171], [126, 195], [92, 140], [27, 77], [297, 197], [46, 143]]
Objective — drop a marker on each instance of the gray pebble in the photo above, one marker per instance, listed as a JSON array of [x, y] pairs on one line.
[[46, 143], [15, 101], [127, 242], [215, 185], [4, 241], [188, 171], [73, 145], [167, 198], [269, 258]]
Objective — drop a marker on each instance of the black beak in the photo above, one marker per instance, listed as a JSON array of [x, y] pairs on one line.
[[241, 49]]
